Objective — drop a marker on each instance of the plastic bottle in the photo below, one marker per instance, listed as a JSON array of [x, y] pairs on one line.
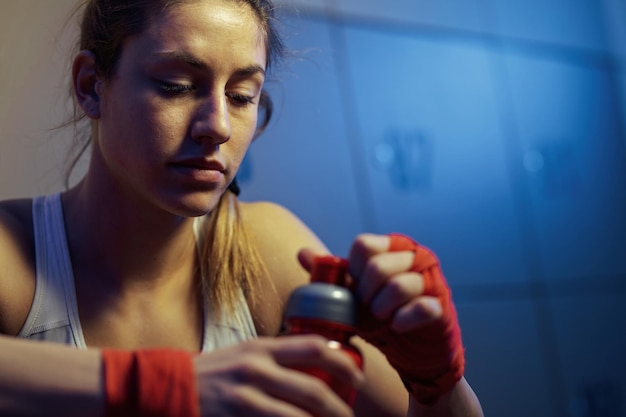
[[326, 307]]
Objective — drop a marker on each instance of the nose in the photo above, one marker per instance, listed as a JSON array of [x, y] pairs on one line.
[[211, 122]]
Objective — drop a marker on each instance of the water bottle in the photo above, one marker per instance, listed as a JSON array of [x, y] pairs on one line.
[[326, 307]]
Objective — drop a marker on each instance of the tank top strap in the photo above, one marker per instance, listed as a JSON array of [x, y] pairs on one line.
[[54, 313]]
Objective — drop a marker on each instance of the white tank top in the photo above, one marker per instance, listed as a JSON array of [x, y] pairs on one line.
[[54, 314]]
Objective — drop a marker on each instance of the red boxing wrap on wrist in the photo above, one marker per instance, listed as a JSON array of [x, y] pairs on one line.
[[149, 383], [432, 359]]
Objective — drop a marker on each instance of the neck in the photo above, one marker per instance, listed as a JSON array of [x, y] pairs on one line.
[[128, 244]]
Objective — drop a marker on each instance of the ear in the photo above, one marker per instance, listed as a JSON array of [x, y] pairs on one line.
[[87, 84]]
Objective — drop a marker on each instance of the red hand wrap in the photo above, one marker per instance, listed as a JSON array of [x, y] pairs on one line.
[[154, 383], [430, 359]]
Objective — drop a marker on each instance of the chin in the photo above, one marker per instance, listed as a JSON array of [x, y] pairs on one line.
[[196, 205]]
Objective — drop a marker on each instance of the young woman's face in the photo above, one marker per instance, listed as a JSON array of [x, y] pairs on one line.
[[180, 110]]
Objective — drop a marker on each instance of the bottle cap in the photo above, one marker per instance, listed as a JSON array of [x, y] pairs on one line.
[[322, 301], [325, 298]]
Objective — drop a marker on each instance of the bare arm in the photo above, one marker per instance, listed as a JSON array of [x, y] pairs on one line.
[[44, 379], [460, 402], [385, 395], [36, 379], [17, 265]]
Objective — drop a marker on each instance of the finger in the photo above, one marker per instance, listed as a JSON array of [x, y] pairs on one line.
[[317, 356], [249, 400], [312, 350], [396, 292], [224, 379], [363, 248], [417, 313], [270, 390], [306, 257], [378, 270], [307, 392]]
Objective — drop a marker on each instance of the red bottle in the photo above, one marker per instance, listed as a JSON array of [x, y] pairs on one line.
[[326, 307]]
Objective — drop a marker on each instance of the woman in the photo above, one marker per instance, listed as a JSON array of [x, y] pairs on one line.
[[150, 256]]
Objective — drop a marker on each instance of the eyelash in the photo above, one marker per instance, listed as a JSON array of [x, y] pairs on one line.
[[176, 89], [240, 100]]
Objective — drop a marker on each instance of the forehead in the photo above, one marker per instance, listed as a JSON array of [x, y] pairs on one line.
[[224, 27]]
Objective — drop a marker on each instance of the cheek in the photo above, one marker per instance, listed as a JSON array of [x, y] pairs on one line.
[[243, 130], [168, 129], [135, 136], [237, 153]]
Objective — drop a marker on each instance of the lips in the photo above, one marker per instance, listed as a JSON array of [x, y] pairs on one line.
[[200, 169], [202, 164]]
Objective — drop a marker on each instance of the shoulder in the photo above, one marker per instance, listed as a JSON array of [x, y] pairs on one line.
[[271, 221], [16, 231], [278, 230], [17, 263], [278, 235]]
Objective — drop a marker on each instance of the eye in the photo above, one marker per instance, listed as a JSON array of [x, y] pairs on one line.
[[240, 100], [175, 89]]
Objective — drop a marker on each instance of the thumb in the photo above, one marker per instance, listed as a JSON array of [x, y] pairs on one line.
[[306, 257]]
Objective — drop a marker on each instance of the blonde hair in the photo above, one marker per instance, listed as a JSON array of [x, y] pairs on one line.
[[229, 259]]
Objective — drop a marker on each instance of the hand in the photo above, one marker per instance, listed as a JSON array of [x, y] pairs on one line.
[[406, 311], [254, 379], [391, 292]]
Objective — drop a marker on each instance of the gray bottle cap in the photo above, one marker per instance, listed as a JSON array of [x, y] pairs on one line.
[[322, 301]]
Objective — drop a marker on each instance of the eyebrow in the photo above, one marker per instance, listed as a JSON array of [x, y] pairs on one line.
[[195, 62]]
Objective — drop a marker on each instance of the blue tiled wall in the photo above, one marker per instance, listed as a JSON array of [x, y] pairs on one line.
[[495, 139]]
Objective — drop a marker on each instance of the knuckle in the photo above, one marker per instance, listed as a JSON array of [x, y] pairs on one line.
[[367, 243], [396, 288], [428, 308], [434, 308], [248, 371], [316, 390], [249, 347], [239, 401], [417, 280], [235, 397], [362, 239], [317, 346], [374, 268]]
